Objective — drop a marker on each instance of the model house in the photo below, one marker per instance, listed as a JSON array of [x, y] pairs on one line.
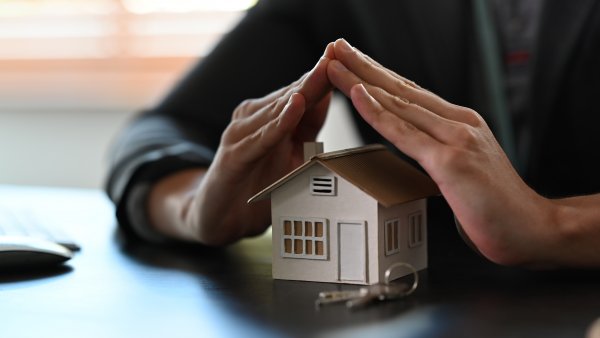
[[346, 216]]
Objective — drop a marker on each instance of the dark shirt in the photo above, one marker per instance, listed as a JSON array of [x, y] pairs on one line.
[[428, 41], [517, 22]]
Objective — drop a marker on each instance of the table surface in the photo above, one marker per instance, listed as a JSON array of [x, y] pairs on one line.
[[118, 287]]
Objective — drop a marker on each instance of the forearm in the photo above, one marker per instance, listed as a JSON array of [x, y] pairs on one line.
[[259, 146], [578, 227]]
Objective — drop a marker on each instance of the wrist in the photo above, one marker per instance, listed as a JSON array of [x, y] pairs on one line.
[[561, 232], [137, 214], [569, 231], [550, 234], [538, 239], [170, 202]]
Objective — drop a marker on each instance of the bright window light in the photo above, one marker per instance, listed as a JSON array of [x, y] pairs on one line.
[[67, 29], [181, 6], [17, 8]]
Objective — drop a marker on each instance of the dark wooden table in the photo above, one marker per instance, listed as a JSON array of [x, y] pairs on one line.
[[117, 287]]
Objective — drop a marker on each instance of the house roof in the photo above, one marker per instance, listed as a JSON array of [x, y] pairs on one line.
[[373, 169]]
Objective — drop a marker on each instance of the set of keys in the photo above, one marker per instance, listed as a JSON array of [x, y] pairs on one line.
[[377, 292]]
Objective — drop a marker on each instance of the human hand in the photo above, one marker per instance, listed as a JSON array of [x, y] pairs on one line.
[[508, 222], [263, 142]]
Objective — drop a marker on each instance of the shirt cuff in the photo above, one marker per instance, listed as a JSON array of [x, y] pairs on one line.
[[129, 187], [137, 214]]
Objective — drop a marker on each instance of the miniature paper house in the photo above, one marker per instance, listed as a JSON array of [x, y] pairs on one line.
[[346, 216]]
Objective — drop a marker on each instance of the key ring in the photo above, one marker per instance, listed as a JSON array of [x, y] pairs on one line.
[[388, 272]]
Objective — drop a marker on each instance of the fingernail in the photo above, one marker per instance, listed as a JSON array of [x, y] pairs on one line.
[[345, 46], [361, 87], [326, 50]]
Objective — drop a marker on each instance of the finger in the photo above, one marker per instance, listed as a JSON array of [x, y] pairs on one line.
[[241, 127], [249, 107], [329, 51], [377, 75], [342, 78], [262, 141], [316, 89], [420, 117], [371, 60], [365, 67], [304, 85], [314, 86], [405, 136], [313, 120], [440, 128]]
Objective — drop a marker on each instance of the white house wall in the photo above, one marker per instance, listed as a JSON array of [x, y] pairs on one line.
[[294, 199], [416, 256]]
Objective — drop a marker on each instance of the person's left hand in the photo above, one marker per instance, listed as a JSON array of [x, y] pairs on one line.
[[504, 218]]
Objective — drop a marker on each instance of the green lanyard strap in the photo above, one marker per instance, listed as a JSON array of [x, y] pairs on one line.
[[488, 44]]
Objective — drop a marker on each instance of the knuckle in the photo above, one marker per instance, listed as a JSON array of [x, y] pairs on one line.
[[229, 134], [478, 121], [227, 154], [401, 86], [366, 66], [465, 136], [299, 81], [279, 104], [236, 114], [399, 128], [406, 127], [243, 109], [381, 112], [399, 102], [412, 84], [471, 117]]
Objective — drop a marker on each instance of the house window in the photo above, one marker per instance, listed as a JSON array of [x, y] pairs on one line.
[[322, 185], [304, 238], [392, 236], [416, 229]]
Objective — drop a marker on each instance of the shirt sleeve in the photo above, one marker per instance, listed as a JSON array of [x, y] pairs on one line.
[[270, 47]]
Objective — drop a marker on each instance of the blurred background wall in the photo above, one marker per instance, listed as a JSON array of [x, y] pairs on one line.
[[73, 72]]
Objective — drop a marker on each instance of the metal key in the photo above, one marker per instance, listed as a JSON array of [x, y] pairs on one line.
[[333, 297], [378, 292], [366, 295]]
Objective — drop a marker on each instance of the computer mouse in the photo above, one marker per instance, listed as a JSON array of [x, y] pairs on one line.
[[23, 252]]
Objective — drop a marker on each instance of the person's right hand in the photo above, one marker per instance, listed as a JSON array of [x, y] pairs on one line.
[[263, 142], [505, 219]]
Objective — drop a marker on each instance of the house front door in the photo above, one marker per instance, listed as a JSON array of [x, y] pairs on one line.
[[352, 251]]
